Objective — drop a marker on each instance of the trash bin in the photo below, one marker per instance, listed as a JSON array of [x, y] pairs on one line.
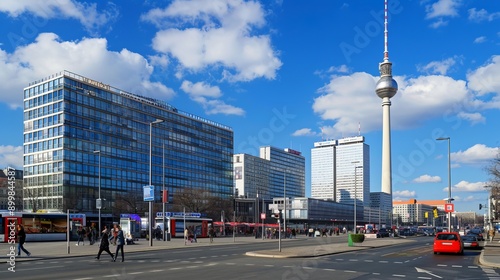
[[168, 236]]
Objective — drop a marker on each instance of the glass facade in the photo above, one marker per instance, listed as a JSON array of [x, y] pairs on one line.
[[286, 172], [341, 167], [323, 184], [68, 117]]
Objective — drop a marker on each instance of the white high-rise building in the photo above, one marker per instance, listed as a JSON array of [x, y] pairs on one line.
[[251, 176], [340, 170], [275, 173]]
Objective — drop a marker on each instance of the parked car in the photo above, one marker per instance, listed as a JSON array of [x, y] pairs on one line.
[[478, 232], [383, 232], [448, 242], [471, 242]]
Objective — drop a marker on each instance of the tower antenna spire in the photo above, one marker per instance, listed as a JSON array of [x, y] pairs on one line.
[[386, 32]]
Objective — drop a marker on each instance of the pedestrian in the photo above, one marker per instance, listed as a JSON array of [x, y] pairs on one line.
[[21, 239], [114, 234], [491, 234], [81, 236], [211, 233], [120, 241], [186, 235], [90, 235], [104, 246]]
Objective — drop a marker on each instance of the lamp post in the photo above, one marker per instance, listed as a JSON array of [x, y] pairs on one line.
[[99, 201], [449, 178], [163, 197], [284, 202], [150, 218], [355, 191]]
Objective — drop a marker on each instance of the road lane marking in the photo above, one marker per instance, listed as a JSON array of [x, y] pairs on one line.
[[135, 273], [112, 275], [399, 275]]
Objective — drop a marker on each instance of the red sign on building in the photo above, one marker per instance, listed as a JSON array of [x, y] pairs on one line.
[[448, 207]]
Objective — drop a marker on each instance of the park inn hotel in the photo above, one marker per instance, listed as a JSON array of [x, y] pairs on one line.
[[71, 123]]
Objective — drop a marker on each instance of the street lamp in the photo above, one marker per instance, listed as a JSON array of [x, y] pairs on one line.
[[150, 218], [164, 197], [284, 202], [449, 178], [355, 191], [99, 201]]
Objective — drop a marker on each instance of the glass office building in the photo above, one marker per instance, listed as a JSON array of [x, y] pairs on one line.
[[73, 125], [286, 172], [340, 170]]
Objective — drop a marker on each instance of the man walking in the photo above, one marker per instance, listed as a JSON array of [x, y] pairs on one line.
[[21, 235]]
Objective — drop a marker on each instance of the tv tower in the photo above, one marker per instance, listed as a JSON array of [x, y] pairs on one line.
[[386, 88]]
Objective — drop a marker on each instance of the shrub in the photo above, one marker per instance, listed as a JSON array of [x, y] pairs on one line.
[[357, 238]]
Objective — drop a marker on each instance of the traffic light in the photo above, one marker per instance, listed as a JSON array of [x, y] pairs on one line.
[[426, 215], [435, 211], [480, 206]]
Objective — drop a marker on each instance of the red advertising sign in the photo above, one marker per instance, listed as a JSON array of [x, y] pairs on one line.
[[448, 207]]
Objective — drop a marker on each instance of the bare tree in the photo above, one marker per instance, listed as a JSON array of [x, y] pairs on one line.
[[192, 200], [494, 170], [129, 202], [31, 196]]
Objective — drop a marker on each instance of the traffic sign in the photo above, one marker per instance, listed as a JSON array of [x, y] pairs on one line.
[[149, 193], [449, 207]]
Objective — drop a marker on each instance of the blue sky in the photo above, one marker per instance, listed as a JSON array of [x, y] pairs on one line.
[[284, 73]]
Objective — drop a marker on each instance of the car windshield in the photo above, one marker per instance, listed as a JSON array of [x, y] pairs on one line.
[[469, 238], [446, 237]]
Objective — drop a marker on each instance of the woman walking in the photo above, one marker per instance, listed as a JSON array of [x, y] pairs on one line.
[[104, 246], [120, 241]]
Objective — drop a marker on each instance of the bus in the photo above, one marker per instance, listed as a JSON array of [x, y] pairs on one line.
[[174, 222], [40, 226]]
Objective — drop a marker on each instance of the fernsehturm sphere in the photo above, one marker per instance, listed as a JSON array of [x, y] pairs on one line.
[[386, 88]]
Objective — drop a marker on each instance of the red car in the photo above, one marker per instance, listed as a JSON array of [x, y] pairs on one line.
[[448, 242]]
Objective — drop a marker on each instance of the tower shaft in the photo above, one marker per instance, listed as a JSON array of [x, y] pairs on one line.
[[386, 146]]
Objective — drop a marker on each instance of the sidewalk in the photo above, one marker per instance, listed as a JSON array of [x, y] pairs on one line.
[[59, 249], [490, 255], [290, 248]]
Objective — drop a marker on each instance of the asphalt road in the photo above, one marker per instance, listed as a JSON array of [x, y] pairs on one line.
[[409, 261]]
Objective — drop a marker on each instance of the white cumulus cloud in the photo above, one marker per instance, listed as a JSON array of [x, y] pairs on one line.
[[11, 156], [88, 14], [478, 153], [304, 132], [207, 96], [404, 194], [427, 179], [89, 57], [443, 8], [464, 186], [219, 35]]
